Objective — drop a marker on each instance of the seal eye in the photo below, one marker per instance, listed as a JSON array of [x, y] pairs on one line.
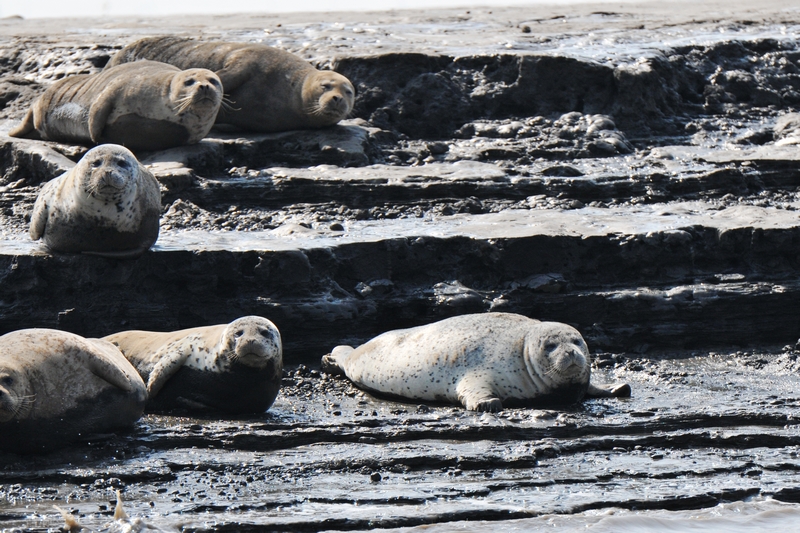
[[265, 333], [214, 82], [123, 163], [327, 86], [238, 333], [96, 163], [550, 346], [189, 82], [6, 381]]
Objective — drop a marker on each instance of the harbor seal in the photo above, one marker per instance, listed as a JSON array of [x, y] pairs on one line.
[[108, 204], [267, 89], [236, 367], [57, 387], [144, 106], [481, 361]]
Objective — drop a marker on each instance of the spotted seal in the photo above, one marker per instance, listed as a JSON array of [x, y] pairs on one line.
[[57, 387], [145, 105], [108, 204], [481, 361], [268, 89], [236, 367]]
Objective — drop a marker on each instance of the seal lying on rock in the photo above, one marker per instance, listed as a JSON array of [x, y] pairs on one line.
[[56, 387], [108, 204], [268, 89], [482, 361], [144, 106], [234, 367]]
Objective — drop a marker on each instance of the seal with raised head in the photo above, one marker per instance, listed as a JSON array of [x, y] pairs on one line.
[[236, 367], [108, 204], [267, 89], [481, 361], [145, 105], [57, 387]]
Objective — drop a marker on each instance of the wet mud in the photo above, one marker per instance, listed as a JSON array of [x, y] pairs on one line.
[[632, 172]]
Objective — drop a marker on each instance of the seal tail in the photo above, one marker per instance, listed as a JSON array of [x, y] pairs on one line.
[[333, 363], [25, 127]]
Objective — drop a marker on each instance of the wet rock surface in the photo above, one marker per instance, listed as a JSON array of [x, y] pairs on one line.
[[633, 173]]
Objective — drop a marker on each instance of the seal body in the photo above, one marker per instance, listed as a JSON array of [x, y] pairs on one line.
[[267, 89], [144, 106], [57, 387], [481, 361], [108, 204], [236, 367]]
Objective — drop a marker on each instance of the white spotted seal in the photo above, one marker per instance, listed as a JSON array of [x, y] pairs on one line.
[[267, 89], [108, 204], [236, 367], [481, 361], [57, 387], [144, 106]]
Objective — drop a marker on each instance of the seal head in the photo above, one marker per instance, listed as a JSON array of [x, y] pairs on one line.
[[328, 97]]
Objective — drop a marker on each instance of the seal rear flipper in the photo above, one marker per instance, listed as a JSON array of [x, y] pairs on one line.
[[622, 390], [26, 128], [333, 363], [107, 364], [476, 395]]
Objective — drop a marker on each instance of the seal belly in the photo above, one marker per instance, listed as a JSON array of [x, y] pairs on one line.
[[110, 410], [238, 390], [140, 133], [68, 122], [559, 397], [79, 234]]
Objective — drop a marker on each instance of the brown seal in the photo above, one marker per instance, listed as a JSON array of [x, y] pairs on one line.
[[56, 387], [236, 367], [268, 89], [144, 106], [108, 204], [482, 361]]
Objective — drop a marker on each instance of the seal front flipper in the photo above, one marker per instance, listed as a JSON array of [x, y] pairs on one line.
[[170, 360], [99, 112], [622, 390], [41, 213], [475, 394]]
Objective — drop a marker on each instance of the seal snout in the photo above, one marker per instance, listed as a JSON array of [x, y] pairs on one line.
[[10, 402]]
